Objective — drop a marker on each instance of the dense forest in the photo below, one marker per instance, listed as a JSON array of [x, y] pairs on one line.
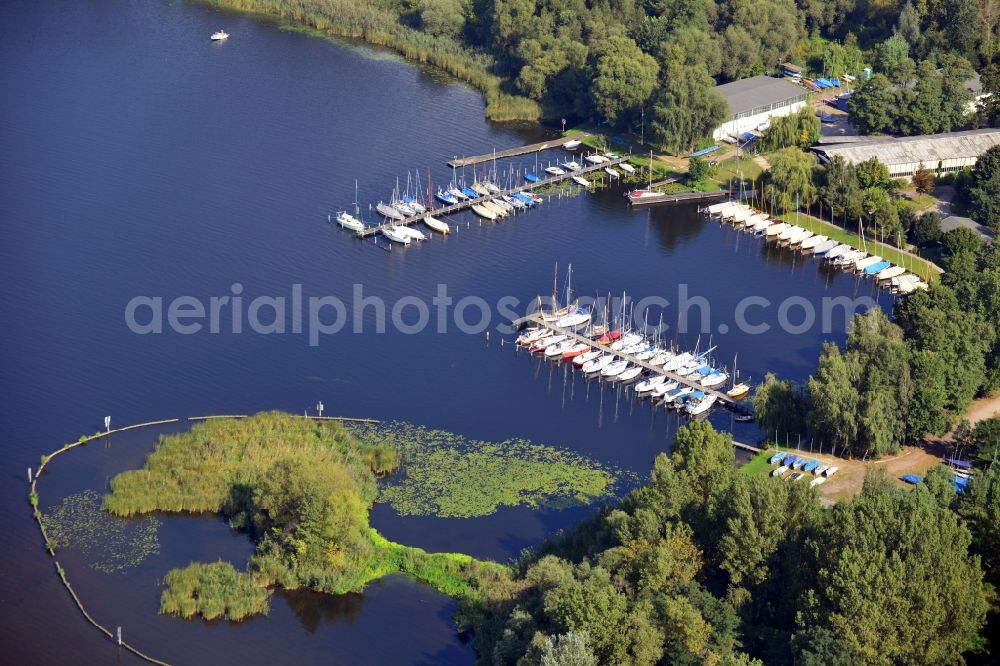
[[628, 61], [706, 564]]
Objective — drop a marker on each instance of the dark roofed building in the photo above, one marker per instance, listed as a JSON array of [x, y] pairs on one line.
[[753, 101]]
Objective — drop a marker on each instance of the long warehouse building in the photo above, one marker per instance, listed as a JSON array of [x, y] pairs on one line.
[[939, 153]]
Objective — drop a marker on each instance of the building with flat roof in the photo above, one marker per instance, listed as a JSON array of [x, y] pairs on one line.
[[940, 153], [753, 101]]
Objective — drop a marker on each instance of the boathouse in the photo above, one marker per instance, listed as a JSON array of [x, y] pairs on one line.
[[940, 153], [753, 101]]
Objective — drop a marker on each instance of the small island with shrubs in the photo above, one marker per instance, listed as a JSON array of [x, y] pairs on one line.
[[302, 489]]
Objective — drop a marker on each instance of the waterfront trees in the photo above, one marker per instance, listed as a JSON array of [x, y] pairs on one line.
[[727, 568], [984, 188]]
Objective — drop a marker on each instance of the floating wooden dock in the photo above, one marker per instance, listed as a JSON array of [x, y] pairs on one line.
[[462, 205], [557, 142], [683, 197], [721, 397]]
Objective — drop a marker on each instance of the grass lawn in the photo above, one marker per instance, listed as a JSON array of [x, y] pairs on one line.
[[758, 464], [920, 202], [733, 168]]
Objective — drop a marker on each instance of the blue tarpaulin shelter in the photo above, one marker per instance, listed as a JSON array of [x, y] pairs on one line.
[[912, 478], [704, 151]]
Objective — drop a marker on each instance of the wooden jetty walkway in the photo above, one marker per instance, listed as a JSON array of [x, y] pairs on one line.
[[462, 205], [683, 197], [557, 142], [721, 397]]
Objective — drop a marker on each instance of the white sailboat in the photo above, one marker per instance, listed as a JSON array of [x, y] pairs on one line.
[[555, 171], [700, 406], [595, 159], [414, 234], [580, 180], [630, 373], [483, 212], [392, 233], [626, 167], [598, 364], [388, 211], [572, 145], [348, 221], [615, 368], [437, 225]]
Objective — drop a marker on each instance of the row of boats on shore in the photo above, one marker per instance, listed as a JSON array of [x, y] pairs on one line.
[[800, 466], [670, 377], [487, 200], [838, 254]]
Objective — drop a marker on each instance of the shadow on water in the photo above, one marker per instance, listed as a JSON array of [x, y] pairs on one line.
[[315, 608]]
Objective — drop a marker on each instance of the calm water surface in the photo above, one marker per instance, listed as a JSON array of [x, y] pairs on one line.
[[139, 159]]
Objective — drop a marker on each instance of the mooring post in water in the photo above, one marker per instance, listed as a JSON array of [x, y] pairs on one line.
[[118, 635], [29, 475]]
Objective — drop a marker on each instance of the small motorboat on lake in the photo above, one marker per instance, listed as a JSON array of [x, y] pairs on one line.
[[220, 35]]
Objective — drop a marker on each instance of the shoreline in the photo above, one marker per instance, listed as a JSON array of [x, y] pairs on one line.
[[412, 45]]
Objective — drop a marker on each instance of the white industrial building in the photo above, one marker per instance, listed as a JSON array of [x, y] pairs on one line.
[[753, 101], [939, 153]]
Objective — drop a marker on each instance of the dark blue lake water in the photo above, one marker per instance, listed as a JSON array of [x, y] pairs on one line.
[[139, 159]]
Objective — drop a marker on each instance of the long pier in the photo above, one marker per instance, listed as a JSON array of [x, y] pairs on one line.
[[683, 197], [459, 162], [462, 205], [721, 397]]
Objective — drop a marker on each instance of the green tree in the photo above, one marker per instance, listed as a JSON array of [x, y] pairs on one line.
[[442, 17], [890, 549], [569, 649], [870, 108], [779, 408], [890, 53], [928, 412], [686, 108], [956, 97], [909, 24], [791, 177], [962, 241], [927, 228], [873, 174], [834, 400], [698, 170], [986, 440], [923, 179], [839, 189], [624, 77], [984, 190], [980, 506], [924, 113], [800, 129]]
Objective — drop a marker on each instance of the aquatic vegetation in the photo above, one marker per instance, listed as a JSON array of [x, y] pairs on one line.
[[303, 490], [212, 591], [447, 475], [109, 544]]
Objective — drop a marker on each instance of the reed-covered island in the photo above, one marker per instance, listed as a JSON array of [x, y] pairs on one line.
[[302, 489]]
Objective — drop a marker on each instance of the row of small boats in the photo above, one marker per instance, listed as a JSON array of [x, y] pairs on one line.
[[675, 380], [829, 250], [800, 466]]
